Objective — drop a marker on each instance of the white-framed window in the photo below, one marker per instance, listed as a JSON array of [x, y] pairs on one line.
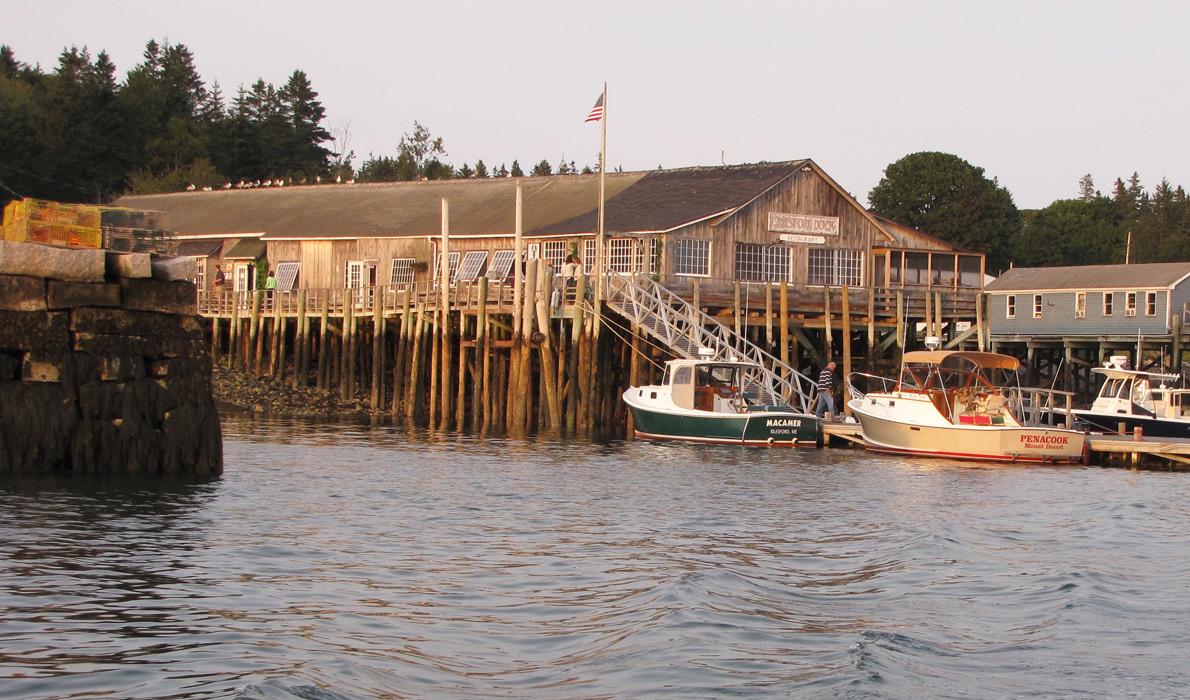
[[646, 255], [1036, 306], [471, 266], [532, 251], [624, 255], [692, 257], [200, 273], [589, 255], [402, 272], [1130, 304], [759, 263], [357, 274], [452, 264], [1150, 303], [243, 278], [287, 275], [621, 255], [555, 253], [500, 269], [1080, 304], [1010, 306], [1109, 302], [836, 266]]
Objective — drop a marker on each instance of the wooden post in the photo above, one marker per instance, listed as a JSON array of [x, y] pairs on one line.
[[279, 330], [901, 340], [400, 355], [323, 337], [215, 341], [299, 342], [828, 340], [481, 420], [346, 365], [576, 338], [736, 306], [1175, 326], [785, 325], [633, 378], [549, 370], [233, 333], [768, 315], [929, 313], [377, 393], [846, 300], [461, 389], [444, 318], [698, 294], [412, 393], [980, 330], [254, 348], [871, 321], [938, 316], [524, 392]]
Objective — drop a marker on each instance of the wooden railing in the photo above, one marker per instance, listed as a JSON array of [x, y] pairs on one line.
[[803, 300]]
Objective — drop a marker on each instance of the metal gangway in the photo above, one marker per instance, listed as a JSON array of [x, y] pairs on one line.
[[692, 334]]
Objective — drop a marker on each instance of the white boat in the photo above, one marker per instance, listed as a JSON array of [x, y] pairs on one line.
[[718, 401], [1156, 403], [963, 405]]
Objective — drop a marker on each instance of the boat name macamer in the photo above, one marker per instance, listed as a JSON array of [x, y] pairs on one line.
[[803, 223], [782, 423]]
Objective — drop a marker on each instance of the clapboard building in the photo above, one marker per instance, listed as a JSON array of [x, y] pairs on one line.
[[768, 222]]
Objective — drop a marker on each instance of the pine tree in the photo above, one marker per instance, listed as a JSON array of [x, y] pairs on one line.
[[516, 169], [481, 170], [542, 168], [307, 157], [465, 172], [1086, 188]]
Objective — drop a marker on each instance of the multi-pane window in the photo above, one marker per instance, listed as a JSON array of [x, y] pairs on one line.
[[532, 251], [452, 263], [759, 263], [837, 267], [1109, 301], [1010, 306], [1150, 303], [646, 255], [500, 269], [554, 253], [287, 274], [692, 257], [471, 266], [402, 272], [1130, 304], [1080, 305], [200, 274], [1036, 306], [620, 254], [589, 255]]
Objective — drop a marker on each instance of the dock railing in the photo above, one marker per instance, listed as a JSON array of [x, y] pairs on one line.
[[1039, 407]]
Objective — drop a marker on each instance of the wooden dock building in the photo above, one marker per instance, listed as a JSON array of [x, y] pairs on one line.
[[777, 253]]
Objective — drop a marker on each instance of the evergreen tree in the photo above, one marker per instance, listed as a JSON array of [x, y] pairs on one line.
[[542, 168], [481, 170], [465, 172], [1086, 188], [307, 156], [516, 169], [502, 172]]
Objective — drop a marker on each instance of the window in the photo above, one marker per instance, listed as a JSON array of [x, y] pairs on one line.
[[1080, 305], [533, 251], [1109, 300], [500, 269], [1036, 306], [200, 275], [758, 263], [646, 255], [472, 265], [1150, 303], [589, 255], [554, 252], [1130, 304], [287, 274], [1010, 307], [692, 257], [402, 272], [620, 254], [452, 264], [358, 274], [839, 267]]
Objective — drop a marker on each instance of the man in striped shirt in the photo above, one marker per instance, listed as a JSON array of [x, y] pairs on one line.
[[826, 387]]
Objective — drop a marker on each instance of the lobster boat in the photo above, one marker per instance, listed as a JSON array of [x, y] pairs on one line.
[[718, 401], [963, 405]]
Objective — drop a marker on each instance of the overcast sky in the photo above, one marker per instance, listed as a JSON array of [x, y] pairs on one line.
[[1037, 93]]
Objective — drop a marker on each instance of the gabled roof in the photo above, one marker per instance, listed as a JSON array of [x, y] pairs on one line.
[[663, 200], [477, 207], [1085, 277], [200, 247], [900, 233], [246, 249]]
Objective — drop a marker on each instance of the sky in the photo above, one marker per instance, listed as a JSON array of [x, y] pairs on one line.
[[1036, 93]]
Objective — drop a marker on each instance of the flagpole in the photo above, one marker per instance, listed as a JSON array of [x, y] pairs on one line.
[[600, 245]]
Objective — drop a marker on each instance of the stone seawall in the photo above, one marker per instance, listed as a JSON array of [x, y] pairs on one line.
[[104, 365]]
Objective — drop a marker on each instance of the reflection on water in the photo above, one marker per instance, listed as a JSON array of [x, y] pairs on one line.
[[352, 561]]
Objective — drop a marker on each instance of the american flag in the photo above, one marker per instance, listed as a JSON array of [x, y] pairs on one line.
[[596, 111]]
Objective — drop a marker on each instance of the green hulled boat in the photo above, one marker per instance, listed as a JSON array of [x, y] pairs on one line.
[[720, 402]]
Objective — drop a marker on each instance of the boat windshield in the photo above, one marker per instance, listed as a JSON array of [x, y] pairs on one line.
[[953, 373]]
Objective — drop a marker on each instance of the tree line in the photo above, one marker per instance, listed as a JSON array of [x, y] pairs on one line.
[[946, 196]]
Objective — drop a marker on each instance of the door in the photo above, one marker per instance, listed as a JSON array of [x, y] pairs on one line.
[[245, 281], [359, 280]]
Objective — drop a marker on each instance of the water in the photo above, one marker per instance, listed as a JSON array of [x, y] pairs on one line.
[[345, 561]]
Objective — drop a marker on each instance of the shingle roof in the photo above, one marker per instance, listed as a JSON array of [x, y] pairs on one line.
[[477, 207], [1143, 276], [666, 199], [246, 249], [201, 247]]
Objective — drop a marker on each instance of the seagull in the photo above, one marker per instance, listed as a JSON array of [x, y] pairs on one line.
[[227, 185], [267, 183], [190, 187], [280, 183], [241, 185], [351, 181], [338, 178], [207, 188], [317, 179]]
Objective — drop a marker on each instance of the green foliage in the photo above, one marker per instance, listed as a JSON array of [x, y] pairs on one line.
[[948, 197], [1071, 232], [516, 170], [200, 173], [542, 168], [481, 170]]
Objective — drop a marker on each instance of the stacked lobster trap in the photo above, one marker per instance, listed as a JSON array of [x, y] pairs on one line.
[[88, 226]]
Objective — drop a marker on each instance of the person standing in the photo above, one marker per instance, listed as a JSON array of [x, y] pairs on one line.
[[826, 388], [220, 278]]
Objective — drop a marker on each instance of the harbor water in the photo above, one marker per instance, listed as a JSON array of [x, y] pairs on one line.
[[354, 561]]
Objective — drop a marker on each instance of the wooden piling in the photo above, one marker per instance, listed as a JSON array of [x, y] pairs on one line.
[[828, 340], [377, 388], [233, 334], [481, 419], [901, 340], [254, 347], [545, 350], [323, 337], [846, 317], [784, 306]]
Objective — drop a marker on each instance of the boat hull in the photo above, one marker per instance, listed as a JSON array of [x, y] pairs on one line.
[[1150, 427], [771, 428], [984, 443]]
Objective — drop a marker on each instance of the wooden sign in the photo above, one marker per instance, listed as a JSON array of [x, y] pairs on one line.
[[804, 223], [801, 238]]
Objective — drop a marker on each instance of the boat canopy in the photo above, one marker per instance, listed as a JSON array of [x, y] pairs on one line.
[[982, 360]]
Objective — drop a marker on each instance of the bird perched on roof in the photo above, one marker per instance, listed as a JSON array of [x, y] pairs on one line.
[[190, 187], [351, 181], [267, 183], [280, 183], [227, 185], [241, 185], [338, 178], [206, 188], [317, 179]]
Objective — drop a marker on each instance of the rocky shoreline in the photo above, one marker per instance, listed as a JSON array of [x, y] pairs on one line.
[[238, 390]]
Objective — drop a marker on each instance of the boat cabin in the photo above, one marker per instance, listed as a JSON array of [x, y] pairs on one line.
[[1133, 393], [965, 387], [719, 387]]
